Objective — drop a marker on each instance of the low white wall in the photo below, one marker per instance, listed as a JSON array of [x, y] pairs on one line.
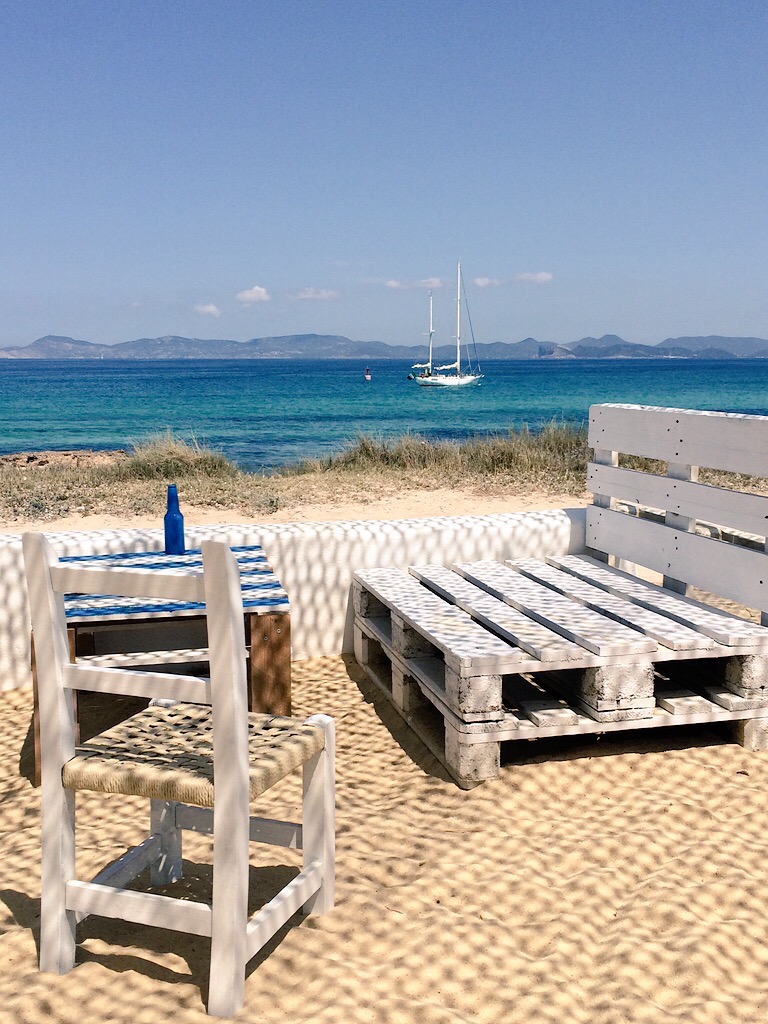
[[313, 561]]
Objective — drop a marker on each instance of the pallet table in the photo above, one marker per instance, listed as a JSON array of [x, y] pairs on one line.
[[479, 653], [470, 657]]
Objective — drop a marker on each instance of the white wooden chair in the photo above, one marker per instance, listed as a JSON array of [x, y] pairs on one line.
[[168, 753]]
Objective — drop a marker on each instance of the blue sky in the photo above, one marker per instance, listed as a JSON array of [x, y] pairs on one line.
[[237, 170]]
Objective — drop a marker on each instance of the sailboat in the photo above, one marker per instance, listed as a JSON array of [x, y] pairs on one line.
[[436, 377]]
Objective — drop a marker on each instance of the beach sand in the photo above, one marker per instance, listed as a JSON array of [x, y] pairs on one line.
[[595, 881], [405, 505]]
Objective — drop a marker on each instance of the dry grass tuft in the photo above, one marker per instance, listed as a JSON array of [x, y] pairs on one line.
[[552, 461], [51, 485], [165, 457]]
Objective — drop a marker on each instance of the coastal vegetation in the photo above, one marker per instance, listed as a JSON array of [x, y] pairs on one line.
[[51, 485]]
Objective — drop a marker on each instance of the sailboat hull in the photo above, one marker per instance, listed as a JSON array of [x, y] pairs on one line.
[[443, 380]]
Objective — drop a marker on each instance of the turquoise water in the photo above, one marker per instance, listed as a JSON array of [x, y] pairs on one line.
[[267, 413]]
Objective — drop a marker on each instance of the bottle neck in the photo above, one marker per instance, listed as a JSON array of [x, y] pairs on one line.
[[173, 499]]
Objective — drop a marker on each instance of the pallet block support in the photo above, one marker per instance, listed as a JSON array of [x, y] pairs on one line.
[[752, 733], [473, 693], [747, 675], [470, 762]]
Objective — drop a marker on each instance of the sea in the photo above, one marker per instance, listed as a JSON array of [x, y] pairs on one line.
[[264, 414]]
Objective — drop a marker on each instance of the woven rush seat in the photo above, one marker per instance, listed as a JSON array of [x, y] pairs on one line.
[[166, 753]]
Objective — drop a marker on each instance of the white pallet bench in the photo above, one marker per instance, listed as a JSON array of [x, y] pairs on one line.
[[477, 654]]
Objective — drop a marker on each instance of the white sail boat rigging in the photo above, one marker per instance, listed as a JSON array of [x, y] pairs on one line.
[[435, 376], [428, 365]]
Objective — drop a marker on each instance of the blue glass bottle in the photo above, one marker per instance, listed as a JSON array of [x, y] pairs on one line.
[[174, 524]]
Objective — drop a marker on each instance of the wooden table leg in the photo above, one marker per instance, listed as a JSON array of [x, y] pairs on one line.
[[269, 683]]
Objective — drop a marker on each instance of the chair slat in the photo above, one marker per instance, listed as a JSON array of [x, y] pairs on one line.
[[273, 915], [97, 579], [165, 685], [139, 907]]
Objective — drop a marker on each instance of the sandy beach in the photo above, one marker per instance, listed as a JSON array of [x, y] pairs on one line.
[[406, 505], [619, 880]]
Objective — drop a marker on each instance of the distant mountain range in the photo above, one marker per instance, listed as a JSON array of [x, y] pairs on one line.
[[332, 346]]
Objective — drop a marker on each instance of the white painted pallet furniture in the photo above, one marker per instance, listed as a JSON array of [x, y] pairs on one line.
[[170, 754], [476, 654]]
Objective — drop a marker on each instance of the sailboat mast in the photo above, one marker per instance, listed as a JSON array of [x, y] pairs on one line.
[[458, 318], [431, 332]]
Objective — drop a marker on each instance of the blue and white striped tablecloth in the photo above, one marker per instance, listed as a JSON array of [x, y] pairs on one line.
[[262, 591]]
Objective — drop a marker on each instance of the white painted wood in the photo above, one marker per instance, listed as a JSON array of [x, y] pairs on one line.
[[123, 870], [431, 685], [512, 625], [71, 578], [268, 831], [574, 621], [683, 701], [547, 710], [167, 685], [661, 720], [608, 458], [140, 907], [719, 568], [226, 638], [732, 701], [727, 630], [57, 922], [226, 921], [668, 632], [735, 510], [677, 520], [273, 915], [727, 441], [147, 659], [319, 818], [749, 645], [465, 644], [166, 867]]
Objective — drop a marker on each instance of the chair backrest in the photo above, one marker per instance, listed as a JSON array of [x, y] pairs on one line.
[[218, 586], [670, 522]]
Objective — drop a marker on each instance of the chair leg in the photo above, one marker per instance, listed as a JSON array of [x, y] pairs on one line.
[[229, 912], [319, 817], [57, 924], [163, 824]]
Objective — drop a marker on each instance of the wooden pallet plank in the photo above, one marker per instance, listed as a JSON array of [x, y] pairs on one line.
[[538, 704], [726, 629], [587, 628], [681, 701], [732, 701], [734, 442], [746, 513], [666, 631], [467, 646], [514, 626], [735, 572]]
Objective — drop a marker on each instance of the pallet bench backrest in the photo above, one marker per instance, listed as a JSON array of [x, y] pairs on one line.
[[671, 523]]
